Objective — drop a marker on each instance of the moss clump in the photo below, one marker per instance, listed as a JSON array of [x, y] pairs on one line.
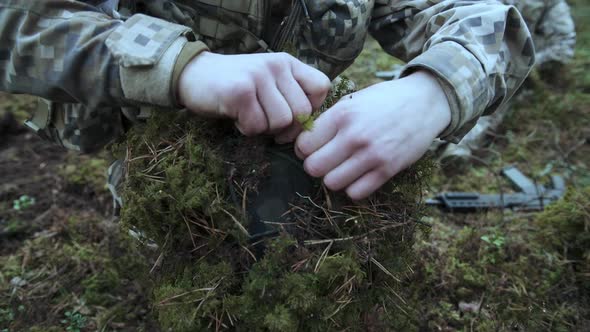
[[523, 275], [565, 228], [83, 266], [329, 263], [82, 171]]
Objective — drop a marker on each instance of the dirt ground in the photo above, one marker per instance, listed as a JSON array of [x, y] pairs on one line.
[[58, 236], [64, 264]]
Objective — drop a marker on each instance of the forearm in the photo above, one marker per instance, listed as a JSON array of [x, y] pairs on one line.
[[480, 51], [56, 50], [72, 52]]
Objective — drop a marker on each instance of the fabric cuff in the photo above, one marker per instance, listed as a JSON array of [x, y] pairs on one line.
[[463, 80], [189, 52], [147, 49]]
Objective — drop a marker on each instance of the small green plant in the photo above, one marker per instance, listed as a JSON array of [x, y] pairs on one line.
[[6, 316], [496, 240], [23, 202], [75, 321], [307, 121]]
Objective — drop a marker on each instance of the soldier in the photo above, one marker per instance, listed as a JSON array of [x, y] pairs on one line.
[[554, 37], [103, 65]]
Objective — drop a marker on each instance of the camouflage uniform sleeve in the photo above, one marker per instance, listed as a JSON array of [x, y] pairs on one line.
[[552, 27], [480, 51], [71, 51], [88, 63]]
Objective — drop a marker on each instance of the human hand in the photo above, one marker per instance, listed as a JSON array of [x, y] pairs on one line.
[[262, 93], [371, 135]]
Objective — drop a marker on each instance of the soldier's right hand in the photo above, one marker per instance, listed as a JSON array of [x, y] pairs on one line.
[[262, 93]]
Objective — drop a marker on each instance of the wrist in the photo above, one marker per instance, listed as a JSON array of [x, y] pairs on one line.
[[436, 102], [189, 52]]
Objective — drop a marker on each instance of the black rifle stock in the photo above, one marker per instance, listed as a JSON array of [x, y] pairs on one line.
[[531, 196]]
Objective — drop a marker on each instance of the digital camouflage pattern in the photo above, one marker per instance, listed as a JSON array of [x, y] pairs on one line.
[[552, 28], [77, 53], [554, 35]]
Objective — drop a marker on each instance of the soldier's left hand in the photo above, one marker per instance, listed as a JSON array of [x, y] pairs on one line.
[[371, 135]]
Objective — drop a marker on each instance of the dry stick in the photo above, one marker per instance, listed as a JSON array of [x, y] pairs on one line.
[[231, 322], [161, 255], [199, 247], [250, 253], [167, 300], [327, 195], [340, 308], [295, 267], [190, 232], [346, 283], [323, 257], [349, 238], [244, 198], [240, 226], [317, 206], [382, 268], [395, 293], [204, 226], [209, 293]]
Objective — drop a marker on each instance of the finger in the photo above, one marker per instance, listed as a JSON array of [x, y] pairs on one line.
[[275, 107], [251, 119], [295, 96], [328, 157], [289, 134], [315, 83], [324, 130], [349, 171], [367, 184]]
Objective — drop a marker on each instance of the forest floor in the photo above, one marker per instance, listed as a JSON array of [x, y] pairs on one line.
[[65, 265]]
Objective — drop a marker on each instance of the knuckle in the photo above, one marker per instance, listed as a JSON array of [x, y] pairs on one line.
[[255, 129], [377, 157], [303, 147], [325, 83], [244, 90], [359, 140], [331, 184], [303, 107], [354, 195], [374, 160], [279, 62], [285, 56], [282, 121], [343, 117], [251, 126], [246, 131], [384, 173], [312, 168], [258, 74]]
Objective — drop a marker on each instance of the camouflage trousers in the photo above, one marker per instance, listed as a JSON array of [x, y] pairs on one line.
[[115, 176]]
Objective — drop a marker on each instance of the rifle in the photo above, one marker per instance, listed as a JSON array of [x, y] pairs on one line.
[[390, 74], [530, 196]]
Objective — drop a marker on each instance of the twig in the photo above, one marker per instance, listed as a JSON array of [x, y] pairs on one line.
[[240, 226]]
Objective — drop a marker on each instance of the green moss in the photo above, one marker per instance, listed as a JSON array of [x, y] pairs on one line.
[[371, 60], [84, 265], [189, 184], [98, 286], [21, 106], [526, 282], [81, 170], [565, 228]]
